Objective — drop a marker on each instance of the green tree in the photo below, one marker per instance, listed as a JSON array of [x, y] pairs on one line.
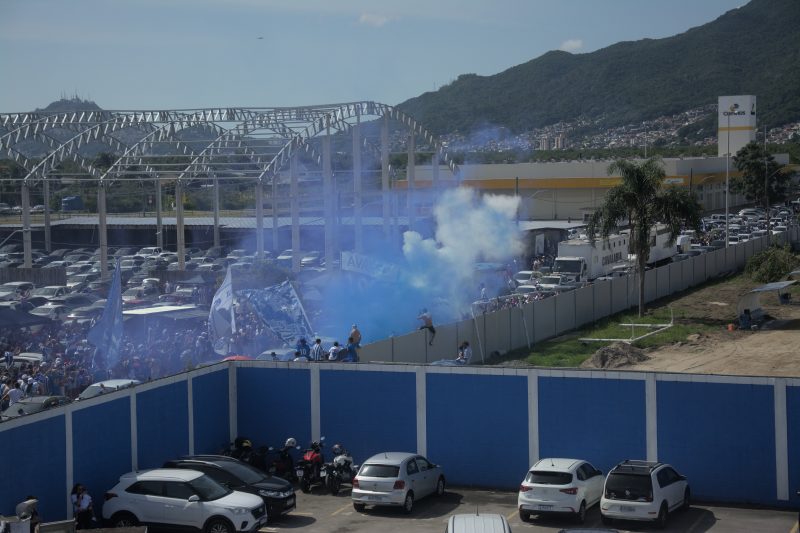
[[644, 200], [763, 180]]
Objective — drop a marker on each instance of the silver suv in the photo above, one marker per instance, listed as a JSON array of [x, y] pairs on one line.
[[643, 490]]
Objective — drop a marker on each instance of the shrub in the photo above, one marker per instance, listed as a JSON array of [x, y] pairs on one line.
[[771, 264]]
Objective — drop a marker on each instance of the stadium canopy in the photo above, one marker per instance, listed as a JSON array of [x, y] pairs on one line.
[[752, 299]]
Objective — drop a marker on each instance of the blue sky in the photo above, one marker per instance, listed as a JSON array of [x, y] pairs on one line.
[[160, 54]]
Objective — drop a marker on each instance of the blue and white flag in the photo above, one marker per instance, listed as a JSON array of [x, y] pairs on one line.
[[106, 334], [280, 309], [221, 321]]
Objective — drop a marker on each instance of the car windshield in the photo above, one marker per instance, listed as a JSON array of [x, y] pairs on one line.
[[628, 486], [243, 471], [208, 489], [550, 280], [549, 478], [379, 471], [45, 291]]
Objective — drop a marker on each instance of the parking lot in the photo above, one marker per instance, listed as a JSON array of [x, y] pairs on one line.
[[319, 512]]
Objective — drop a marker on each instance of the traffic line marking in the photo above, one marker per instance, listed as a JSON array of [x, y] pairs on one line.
[[337, 511], [795, 527], [511, 515]]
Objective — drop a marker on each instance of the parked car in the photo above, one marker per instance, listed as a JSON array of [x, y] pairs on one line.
[[186, 499], [478, 522], [22, 289], [643, 490], [84, 315], [277, 493], [33, 404], [73, 301], [310, 259], [51, 291], [396, 479], [566, 486], [104, 387], [53, 311]]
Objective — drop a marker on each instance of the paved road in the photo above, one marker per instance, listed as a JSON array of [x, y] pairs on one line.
[[319, 512]]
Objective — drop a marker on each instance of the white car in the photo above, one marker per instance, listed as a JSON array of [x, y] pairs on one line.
[[396, 479], [567, 486], [179, 498], [642, 490]]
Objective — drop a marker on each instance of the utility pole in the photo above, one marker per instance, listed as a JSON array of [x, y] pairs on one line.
[[766, 180]]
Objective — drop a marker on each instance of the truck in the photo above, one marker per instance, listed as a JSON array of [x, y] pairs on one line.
[[580, 261], [661, 250], [557, 283]]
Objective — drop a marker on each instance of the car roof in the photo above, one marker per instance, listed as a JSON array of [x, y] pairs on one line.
[[556, 464], [478, 523], [637, 467], [179, 474], [390, 458]]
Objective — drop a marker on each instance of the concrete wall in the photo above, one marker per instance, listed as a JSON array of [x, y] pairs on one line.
[[500, 331], [737, 439]]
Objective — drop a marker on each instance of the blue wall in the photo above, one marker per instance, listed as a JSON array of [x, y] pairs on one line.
[[34, 463], [162, 424], [474, 417], [211, 411], [274, 404], [368, 412], [793, 430], [101, 458], [600, 420], [721, 436]]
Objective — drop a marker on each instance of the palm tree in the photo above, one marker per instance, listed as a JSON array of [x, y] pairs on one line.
[[644, 200]]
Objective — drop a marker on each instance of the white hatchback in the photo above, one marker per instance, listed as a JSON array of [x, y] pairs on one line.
[[179, 498], [567, 486]]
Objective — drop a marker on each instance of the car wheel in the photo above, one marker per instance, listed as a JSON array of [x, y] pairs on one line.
[[335, 485], [661, 521], [359, 507], [124, 520], [687, 498], [440, 486], [525, 516], [580, 516], [305, 484], [408, 504], [219, 525]]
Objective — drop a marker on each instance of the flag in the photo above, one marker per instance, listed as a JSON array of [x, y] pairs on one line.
[[221, 321], [280, 309], [106, 334]]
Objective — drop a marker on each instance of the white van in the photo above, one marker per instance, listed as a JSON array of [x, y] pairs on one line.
[[147, 251]]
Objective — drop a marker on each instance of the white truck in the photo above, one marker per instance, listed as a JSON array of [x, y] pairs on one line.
[[580, 261], [661, 251]]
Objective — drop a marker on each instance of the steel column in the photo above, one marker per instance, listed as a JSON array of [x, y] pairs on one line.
[[327, 191], [274, 204], [103, 229], [46, 193], [259, 220], [411, 179], [357, 187], [216, 210], [179, 227], [159, 221], [27, 245], [294, 203]]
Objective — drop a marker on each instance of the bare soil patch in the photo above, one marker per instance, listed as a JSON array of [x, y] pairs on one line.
[[773, 350]]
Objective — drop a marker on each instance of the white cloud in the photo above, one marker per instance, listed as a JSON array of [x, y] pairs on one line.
[[571, 45], [372, 19]]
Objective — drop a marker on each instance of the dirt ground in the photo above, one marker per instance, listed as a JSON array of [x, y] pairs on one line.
[[773, 350]]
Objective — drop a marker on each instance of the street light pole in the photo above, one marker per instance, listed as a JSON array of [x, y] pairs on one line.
[[727, 176]]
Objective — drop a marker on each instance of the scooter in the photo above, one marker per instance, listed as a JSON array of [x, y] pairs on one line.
[[340, 470], [309, 469], [283, 463]]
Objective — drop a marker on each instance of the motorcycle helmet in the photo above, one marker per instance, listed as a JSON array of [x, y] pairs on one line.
[[290, 443], [338, 449]]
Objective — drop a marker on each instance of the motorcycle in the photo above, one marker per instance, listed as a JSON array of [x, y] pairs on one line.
[[282, 465], [309, 469], [340, 470], [241, 448]]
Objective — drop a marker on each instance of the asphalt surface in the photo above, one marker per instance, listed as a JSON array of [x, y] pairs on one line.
[[319, 512]]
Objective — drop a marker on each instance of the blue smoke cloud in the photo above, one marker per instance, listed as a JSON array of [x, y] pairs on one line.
[[437, 273]]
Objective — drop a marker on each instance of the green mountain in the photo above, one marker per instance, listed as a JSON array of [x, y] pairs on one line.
[[754, 49]]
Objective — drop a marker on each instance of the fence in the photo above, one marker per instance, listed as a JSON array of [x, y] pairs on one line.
[[736, 438], [41, 277], [509, 329]]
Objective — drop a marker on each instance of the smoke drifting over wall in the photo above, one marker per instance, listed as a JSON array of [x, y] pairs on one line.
[[437, 273]]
